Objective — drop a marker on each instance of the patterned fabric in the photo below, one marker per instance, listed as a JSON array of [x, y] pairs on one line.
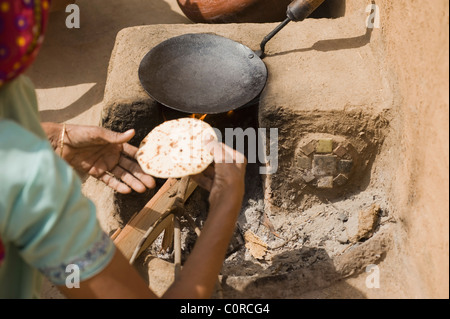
[[22, 26], [102, 250]]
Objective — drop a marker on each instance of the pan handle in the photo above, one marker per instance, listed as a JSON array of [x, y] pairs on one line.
[[299, 10]]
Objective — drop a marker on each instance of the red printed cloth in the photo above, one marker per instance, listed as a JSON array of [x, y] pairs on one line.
[[2, 252], [22, 26]]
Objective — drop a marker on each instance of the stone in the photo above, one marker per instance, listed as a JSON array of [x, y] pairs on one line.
[[304, 162], [340, 151], [308, 177], [255, 245], [367, 221], [343, 217], [324, 145], [345, 166], [158, 274], [325, 182], [365, 253], [309, 148], [342, 239], [340, 180], [324, 165]]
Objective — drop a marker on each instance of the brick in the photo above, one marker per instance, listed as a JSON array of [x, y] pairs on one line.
[[340, 151], [324, 165], [325, 182], [308, 177], [340, 180], [324, 145], [304, 162], [309, 148], [345, 166]]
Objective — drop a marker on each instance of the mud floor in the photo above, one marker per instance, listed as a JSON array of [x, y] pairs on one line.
[[356, 186]]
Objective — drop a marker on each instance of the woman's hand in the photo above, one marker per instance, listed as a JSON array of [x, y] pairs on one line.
[[224, 180], [101, 153]]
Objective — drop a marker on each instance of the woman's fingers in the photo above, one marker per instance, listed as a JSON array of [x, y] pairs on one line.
[[122, 181], [205, 179], [128, 179], [134, 168], [127, 175], [115, 184], [223, 153], [115, 137], [209, 171], [129, 150]]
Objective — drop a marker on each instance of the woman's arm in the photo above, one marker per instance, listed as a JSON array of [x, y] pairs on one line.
[[199, 274]]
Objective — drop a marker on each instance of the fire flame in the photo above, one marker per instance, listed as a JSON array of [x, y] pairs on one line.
[[199, 116]]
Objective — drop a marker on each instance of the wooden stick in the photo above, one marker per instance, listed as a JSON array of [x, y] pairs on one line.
[[192, 223], [163, 200], [178, 212], [168, 236], [176, 209], [177, 246], [116, 233], [148, 233]]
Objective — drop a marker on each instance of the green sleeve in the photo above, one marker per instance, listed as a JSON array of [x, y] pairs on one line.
[[18, 103], [42, 210]]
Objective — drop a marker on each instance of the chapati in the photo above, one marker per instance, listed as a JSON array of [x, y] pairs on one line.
[[176, 148]]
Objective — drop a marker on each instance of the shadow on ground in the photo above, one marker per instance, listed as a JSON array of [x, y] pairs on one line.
[[70, 57], [308, 272]]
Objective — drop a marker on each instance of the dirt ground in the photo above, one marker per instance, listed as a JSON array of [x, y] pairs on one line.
[[70, 86]]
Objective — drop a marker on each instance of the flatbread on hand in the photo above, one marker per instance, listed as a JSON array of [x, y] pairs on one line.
[[176, 149]]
